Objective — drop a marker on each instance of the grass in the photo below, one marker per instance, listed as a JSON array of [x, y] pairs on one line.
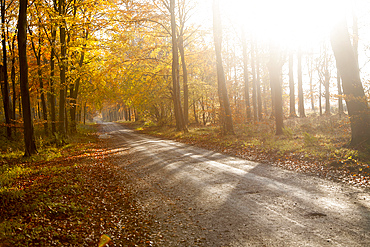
[[35, 194]]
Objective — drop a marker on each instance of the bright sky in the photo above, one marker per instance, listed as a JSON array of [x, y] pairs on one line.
[[291, 23]]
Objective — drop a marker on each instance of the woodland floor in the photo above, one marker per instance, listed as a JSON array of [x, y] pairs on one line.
[[74, 199], [69, 201]]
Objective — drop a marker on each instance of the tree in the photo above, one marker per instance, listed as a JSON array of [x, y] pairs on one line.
[[292, 112], [183, 18], [226, 118], [355, 34], [258, 86], [275, 66], [51, 93], [246, 77], [300, 86], [254, 80], [353, 91], [340, 95], [324, 75], [4, 72], [310, 74], [63, 68], [180, 122], [185, 79], [29, 139], [37, 53], [327, 84]]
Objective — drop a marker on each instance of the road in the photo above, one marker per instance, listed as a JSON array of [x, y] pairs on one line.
[[198, 197]]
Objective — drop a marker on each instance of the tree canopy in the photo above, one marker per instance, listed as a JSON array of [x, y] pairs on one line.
[[155, 60]]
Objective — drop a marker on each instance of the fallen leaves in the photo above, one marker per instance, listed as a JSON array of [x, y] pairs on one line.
[[74, 201]]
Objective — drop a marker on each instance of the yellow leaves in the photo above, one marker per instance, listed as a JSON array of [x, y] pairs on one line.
[[104, 240]]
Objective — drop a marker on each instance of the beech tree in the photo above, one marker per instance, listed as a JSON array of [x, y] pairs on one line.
[[62, 67], [246, 77], [226, 118], [340, 96], [254, 80], [180, 122], [300, 87], [37, 52], [4, 74], [292, 112], [354, 95], [275, 66], [29, 138]]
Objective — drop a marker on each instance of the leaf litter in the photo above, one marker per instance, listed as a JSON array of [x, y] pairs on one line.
[[73, 201]]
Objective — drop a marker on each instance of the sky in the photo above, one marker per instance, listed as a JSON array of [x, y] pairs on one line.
[[292, 24]]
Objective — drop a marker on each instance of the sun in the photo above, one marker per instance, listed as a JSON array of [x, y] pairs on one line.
[[290, 23]]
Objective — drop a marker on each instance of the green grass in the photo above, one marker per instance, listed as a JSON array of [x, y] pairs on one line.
[[35, 193]]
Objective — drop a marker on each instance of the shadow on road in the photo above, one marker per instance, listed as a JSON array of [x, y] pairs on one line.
[[215, 200]]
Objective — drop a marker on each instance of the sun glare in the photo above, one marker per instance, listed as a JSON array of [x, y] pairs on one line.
[[290, 23]]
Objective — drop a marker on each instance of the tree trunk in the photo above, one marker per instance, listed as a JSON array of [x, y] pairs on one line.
[[254, 82], [29, 139], [180, 122], [226, 117], [12, 76], [43, 101], [37, 53], [354, 94], [327, 92], [320, 96], [74, 93], [5, 83], [195, 112], [51, 93], [185, 80], [340, 101], [246, 78], [355, 35], [258, 87], [203, 113], [310, 72], [300, 87], [62, 33], [326, 82], [292, 112], [275, 66], [85, 113]]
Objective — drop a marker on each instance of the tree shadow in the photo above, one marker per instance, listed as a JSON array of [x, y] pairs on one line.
[[242, 203]]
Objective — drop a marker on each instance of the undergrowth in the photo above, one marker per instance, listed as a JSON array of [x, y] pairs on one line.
[[34, 192]]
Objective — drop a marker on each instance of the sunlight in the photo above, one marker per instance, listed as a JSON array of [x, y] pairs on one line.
[[290, 23]]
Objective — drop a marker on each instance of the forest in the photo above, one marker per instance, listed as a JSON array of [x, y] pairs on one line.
[[286, 81], [152, 61]]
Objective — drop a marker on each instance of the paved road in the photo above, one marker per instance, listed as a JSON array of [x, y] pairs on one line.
[[201, 198]]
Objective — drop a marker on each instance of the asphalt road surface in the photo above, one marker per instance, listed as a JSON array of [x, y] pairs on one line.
[[201, 198]]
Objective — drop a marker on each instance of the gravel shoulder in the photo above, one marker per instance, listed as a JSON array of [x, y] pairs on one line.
[[197, 197]]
